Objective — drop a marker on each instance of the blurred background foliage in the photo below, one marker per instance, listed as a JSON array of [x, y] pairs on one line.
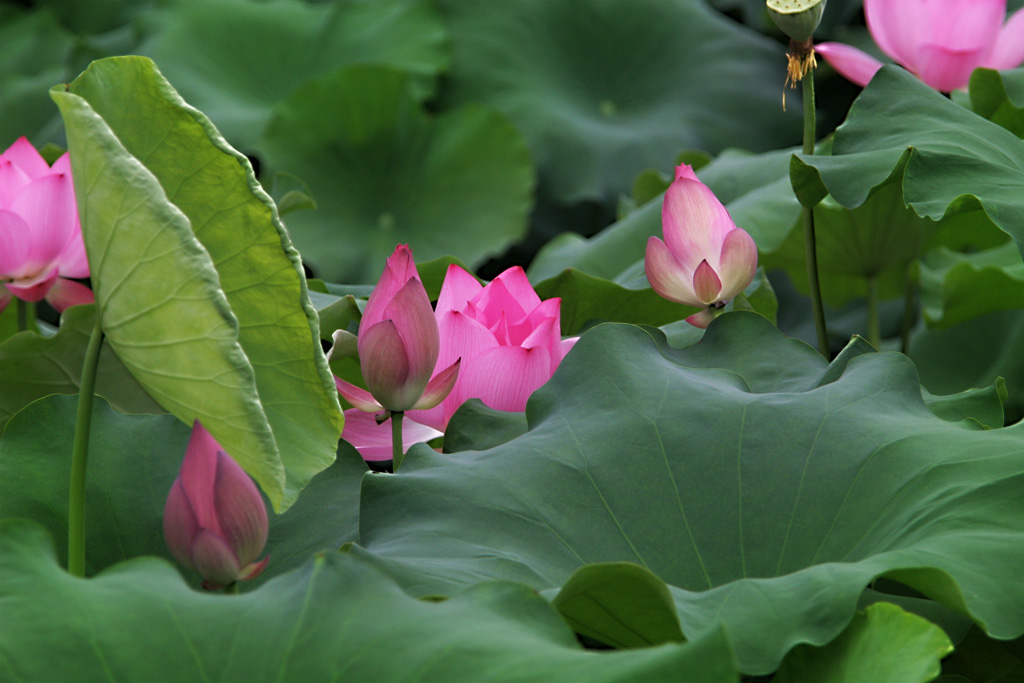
[[542, 133]]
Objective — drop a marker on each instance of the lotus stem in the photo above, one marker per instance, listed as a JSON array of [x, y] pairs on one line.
[[874, 332], [396, 440], [908, 311], [810, 243], [26, 314], [80, 454]]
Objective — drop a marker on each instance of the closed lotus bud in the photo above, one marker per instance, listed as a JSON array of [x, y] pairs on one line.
[[215, 522], [796, 18]]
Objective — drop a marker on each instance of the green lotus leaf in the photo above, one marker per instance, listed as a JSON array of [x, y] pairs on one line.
[[335, 617], [134, 461], [384, 171], [33, 366], [235, 59], [882, 643], [766, 488], [200, 293], [606, 88], [999, 97], [947, 159]]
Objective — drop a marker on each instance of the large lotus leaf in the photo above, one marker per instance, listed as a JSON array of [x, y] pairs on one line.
[[201, 295], [335, 618], [766, 488], [947, 159], [235, 59], [33, 53], [882, 643], [133, 462], [999, 97], [603, 89], [958, 287], [975, 354], [33, 366], [385, 171]]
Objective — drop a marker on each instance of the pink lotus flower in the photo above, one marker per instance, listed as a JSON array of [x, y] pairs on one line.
[[705, 259], [941, 41], [40, 235], [373, 441], [398, 344], [215, 522], [508, 339]]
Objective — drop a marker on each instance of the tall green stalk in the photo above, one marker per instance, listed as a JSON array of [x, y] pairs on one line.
[[874, 329], [810, 242], [396, 440], [80, 454], [26, 315], [908, 309]]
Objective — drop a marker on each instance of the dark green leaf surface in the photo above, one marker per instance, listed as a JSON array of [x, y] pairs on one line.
[[999, 97], [883, 643], [956, 288], [610, 88], [235, 60], [335, 618], [202, 296], [384, 172], [764, 487]]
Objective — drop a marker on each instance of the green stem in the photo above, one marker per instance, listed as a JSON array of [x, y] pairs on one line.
[[396, 440], [874, 333], [26, 315], [231, 588], [908, 312], [80, 454], [810, 242]]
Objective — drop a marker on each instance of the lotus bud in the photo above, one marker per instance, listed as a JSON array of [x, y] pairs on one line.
[[215, 521], [796, 18], [398, 344]]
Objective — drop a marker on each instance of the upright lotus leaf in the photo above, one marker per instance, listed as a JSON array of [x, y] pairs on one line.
[[947, 159], [882, 643], [608, 88], [201, 294], [217, 53], [33, 366], [335, 618], [956, 287], [385, 171], [999, 97], [766, 488]]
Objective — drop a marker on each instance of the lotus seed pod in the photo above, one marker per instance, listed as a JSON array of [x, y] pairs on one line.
[[796, 18]]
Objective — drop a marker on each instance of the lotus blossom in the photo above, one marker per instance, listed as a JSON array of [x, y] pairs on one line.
[[508, 339], [215, 522], [941, 41], [705, 259], [398, 344], [40, 234]]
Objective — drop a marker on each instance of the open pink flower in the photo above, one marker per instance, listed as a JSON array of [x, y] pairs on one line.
[[941, 41], [40, 235], [215, 522], [508, 339], [705, 259], [398, 344]]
